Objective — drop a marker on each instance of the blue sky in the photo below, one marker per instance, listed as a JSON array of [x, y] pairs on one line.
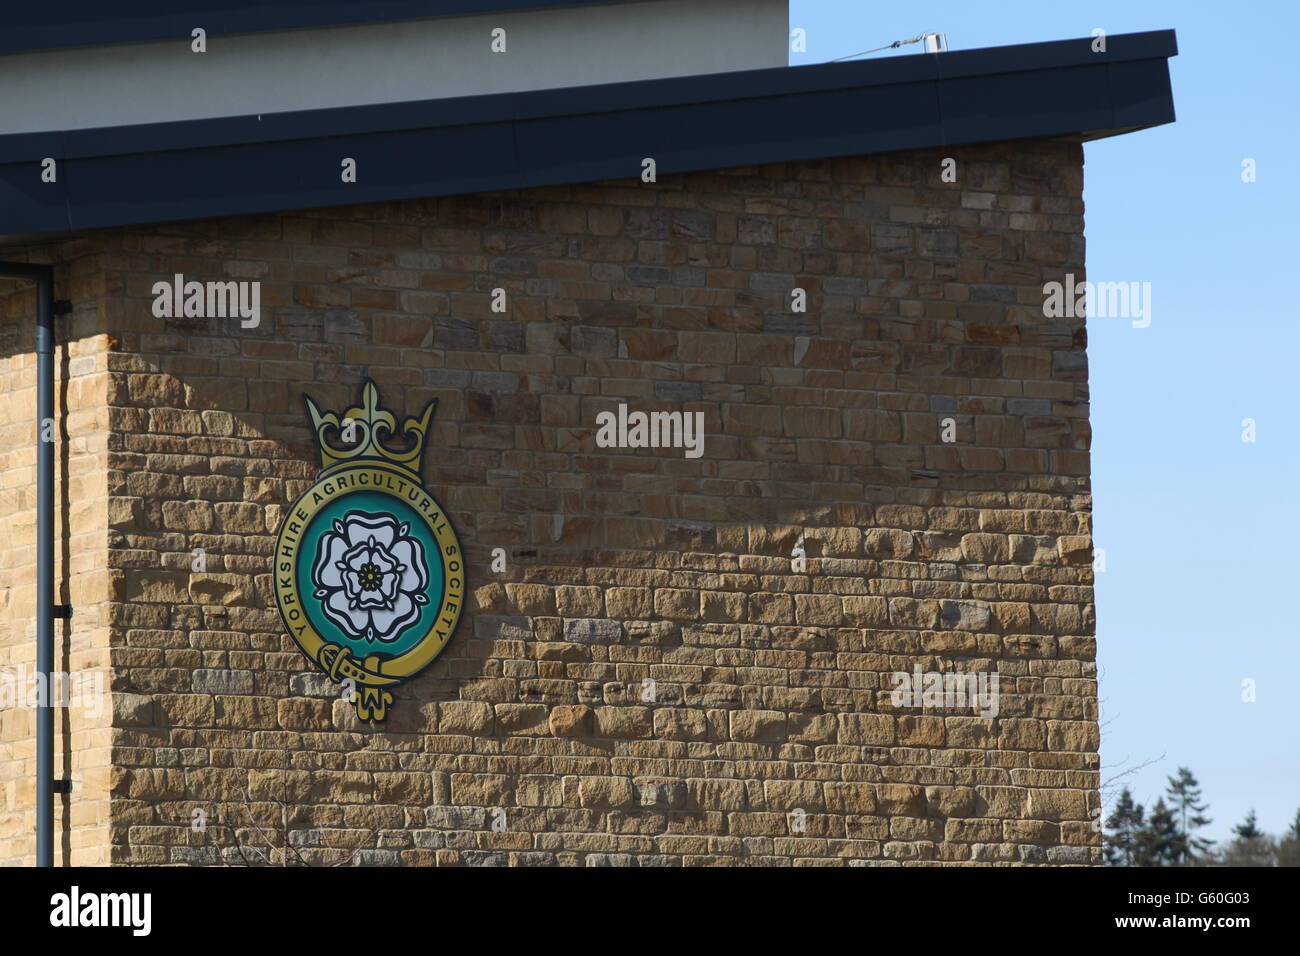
[[1200, 529]]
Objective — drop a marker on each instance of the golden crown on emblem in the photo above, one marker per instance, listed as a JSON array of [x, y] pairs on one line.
[[368, 426]]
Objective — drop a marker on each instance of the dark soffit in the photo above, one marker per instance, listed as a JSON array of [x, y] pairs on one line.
[[253, 164]]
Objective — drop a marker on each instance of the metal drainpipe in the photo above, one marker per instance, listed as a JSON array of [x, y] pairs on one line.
[[44, 277]]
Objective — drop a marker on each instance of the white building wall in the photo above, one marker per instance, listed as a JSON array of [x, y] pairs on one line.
[[386, 63]]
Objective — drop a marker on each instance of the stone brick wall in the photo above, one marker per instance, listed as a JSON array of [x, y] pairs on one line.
[[83, 727], [771, 737]]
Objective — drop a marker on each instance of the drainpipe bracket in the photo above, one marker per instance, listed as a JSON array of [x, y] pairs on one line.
[[61, 786], [63, 611], [62, 306]]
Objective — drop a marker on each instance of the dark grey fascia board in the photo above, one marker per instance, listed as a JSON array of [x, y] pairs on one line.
[[240, 165], [30, 27]]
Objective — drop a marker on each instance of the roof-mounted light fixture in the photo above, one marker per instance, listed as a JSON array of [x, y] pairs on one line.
[[934, 43]]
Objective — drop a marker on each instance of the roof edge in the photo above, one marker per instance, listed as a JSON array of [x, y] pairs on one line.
[[240, 165]]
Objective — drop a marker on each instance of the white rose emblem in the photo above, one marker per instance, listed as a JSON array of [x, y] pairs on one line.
[[370, 576]]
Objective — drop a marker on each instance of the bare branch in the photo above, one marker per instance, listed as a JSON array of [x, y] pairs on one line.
[[374, 834]]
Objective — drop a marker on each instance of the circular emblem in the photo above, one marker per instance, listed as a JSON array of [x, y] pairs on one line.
[[369, 573]]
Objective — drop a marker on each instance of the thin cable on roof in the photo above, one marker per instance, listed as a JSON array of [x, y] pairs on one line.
[[888, 46]]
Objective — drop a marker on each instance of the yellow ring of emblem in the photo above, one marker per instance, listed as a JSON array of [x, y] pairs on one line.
[[336, 660]]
